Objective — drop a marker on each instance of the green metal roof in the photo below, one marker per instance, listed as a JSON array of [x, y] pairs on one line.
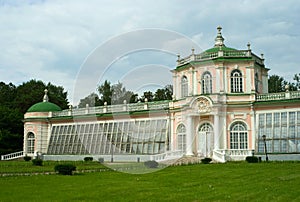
[[216, 49], [44, 107]]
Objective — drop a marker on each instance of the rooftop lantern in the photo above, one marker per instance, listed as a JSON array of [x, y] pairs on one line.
[[219, 40]]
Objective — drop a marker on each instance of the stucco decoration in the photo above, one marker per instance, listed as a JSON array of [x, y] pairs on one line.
[[203, 105]]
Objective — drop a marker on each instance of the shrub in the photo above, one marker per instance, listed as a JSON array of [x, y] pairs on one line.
[[101, 160], [37, 162], [88, 158], [206, 160], [27, 158], [252, 159], [151, 164], [65, 169]]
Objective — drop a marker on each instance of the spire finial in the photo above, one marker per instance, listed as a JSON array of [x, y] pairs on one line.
[[219, 41], [45, 98]]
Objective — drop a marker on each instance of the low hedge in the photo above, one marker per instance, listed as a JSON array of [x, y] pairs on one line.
[[88, 158], [101, 160], [206, 160], [27, 158], [65, 169], [37, 162], [252, 159], [151, 164]]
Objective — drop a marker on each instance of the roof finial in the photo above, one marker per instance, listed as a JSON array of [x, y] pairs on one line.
[[219, 41], [45, 98]]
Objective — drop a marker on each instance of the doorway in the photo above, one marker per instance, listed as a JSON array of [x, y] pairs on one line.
[[205, 140]]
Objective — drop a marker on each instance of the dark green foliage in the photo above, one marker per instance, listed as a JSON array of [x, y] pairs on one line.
[[65, 169], [105, 91], [14, 102], [27, 158], [101, 160], [151, 164], [252, 159], [149, 95], [92, 100], [88, 158], [37, 162], [277, 84], [165, 93], [206, 160]]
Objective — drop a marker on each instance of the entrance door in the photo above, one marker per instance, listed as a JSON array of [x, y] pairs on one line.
[[205, 140]]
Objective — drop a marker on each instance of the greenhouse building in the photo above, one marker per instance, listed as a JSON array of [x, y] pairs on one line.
[[220, 109]]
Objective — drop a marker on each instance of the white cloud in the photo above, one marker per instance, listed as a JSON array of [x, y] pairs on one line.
[[49, 40]]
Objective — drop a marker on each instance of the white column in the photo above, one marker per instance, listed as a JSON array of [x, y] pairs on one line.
[[189, 136], [217, 80], [226, 80], [178, 87], [175, 90], [217, 133], [195, 82], [253, 128], [172, 132], [248, 81]]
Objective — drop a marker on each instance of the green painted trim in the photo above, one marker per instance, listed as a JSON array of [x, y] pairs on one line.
[[44, 107]]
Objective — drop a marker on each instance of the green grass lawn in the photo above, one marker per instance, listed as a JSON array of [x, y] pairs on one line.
[[274, 181]]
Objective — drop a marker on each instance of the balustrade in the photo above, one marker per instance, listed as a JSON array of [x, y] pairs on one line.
[[14, 155], [220, 53], [160, 105]]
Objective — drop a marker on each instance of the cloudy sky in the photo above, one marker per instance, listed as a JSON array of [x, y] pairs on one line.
[[59, 41]]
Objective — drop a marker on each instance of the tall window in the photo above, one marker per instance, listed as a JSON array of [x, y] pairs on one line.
[[184, 86], [236, 81], [30, 143], [181, 135], [206, 83], [256, 82], [238, 136]]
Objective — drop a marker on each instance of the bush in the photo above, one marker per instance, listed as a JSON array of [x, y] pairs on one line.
[[65, 169], [151, 164], [252, 159], [206, 160], [88, 158], [37, 162], [27, 158], [101, 160]]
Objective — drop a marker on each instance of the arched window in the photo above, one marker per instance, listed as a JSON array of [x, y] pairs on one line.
[[184, 86], [30, 143], [256, 82], [206, 83], [238, 136], [206, 127], [236, 81], [181, 137]]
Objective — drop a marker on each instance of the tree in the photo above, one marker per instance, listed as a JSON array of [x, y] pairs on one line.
[[147, 94], [119, 94], [31, 92], [14, 102], [7, 94], [297, 81], [92, 100], [57, 95], [105, 91], [164, 93], [277, 84]]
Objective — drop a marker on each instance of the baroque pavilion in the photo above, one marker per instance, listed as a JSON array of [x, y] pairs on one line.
[[221, 109]]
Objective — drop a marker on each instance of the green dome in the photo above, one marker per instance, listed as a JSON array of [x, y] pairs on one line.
[[44, 107]]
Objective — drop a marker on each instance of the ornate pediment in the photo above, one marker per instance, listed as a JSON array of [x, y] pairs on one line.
[[203, 105]]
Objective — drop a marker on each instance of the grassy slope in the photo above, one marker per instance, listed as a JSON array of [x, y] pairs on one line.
[[213, 182]]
